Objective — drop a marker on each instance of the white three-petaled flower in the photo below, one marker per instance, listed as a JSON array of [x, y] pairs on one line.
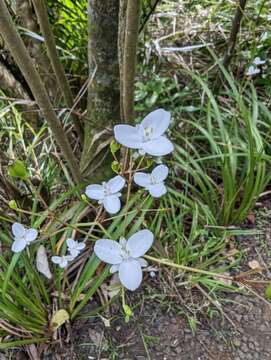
[[125, 256], [153, 182], [75, 247], [258, 61], [147, 137], [107, 194], [253, 69], [62, 261], [22, 237]]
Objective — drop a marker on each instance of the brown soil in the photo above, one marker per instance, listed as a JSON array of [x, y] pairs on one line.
[[167, 335]]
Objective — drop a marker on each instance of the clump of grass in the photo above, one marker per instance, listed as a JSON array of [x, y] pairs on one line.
[[223, 163]]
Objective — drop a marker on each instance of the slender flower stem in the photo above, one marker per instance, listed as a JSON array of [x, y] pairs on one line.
[[128, 192], [187, 268]]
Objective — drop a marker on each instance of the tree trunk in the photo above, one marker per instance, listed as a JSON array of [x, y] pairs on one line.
[[235, 28], [103, 109]]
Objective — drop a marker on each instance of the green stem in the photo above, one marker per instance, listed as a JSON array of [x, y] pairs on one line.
[[129, 58], [168, 262]]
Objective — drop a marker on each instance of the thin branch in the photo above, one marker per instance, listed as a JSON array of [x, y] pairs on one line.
[[42, 15], [129, 58], [32, 77], [149, 14], [235, 28]]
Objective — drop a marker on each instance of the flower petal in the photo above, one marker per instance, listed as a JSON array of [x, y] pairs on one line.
[[158, 147], [158, 120], [71, 243], [31, 235], [70, 257], [139, 243], [160, 173], [42, 262], [128, 136], [56, 259], [64, 262], [130, 274], [142, 262], [112, 204], [116, 184], [114, 268], [18, 230], [95, 192], [258, 61], [142, 179], [108, 251], [80, 246], [74, 253], [18, 245], [157, 190], [252, 70]]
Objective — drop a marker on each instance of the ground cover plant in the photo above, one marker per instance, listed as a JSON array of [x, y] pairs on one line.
[[105, 184]]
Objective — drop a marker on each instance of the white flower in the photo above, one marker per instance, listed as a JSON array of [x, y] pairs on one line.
[[252, 70], [125, 256], [62, 261], [258, 61], [147, 137], [153, 182], [22, 237], [107, 194], [75, 247]]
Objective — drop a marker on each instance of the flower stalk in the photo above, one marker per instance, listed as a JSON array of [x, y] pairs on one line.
[[187, 268]]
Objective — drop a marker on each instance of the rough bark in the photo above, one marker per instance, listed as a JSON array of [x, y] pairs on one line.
[[103, 108]]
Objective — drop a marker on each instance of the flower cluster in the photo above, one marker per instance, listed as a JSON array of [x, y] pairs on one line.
[[125, 256], [254, 68], [148, 138], [74, 249], [24, 237]]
